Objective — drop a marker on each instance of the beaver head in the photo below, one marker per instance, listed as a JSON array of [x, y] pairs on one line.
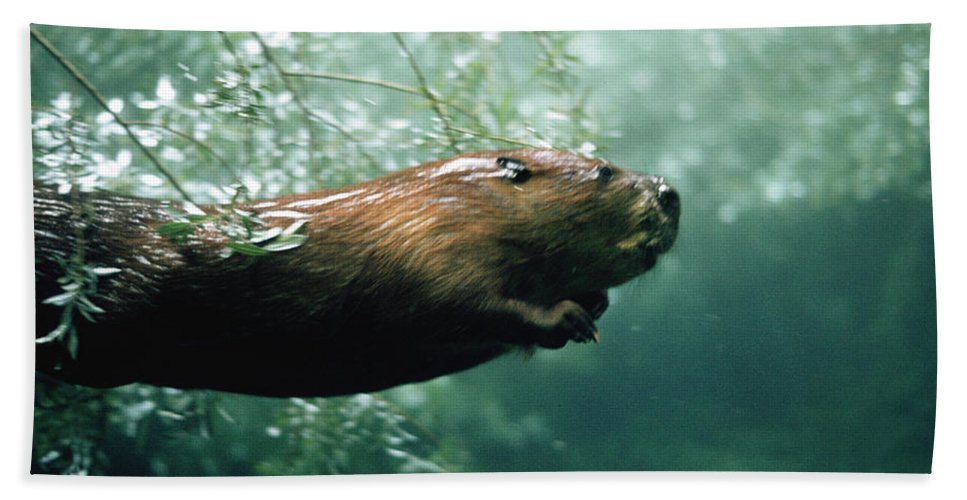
[[539, 225]]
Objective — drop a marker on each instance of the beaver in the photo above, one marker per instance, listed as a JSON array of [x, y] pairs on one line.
[[420, 273]]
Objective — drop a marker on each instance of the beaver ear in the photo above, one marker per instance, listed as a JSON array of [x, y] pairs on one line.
[[517, 171]]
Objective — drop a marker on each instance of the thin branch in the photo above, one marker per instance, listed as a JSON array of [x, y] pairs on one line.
[[307, 114], [227, 41], [406, 89], [188, 137], [230, 46], [492, 137], [357, 79], [249, 156], [304, 107], [547, 50], [77, 218], [91, 89], [425, 89]]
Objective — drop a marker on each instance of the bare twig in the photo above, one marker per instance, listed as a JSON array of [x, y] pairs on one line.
[[308, 112], [249, 156], [406, 89], [438, 106], [188, 137], [229, 45], [492, 137], [92, 90], [399, 87]]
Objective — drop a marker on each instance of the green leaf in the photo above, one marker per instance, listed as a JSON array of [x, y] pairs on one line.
[[286, 243], [170, 414], [176, 230], [266, 235], [85, 304], [224, 414], [104, 271], [61, 299], [293, 228], [54, 334], [72, 341], [247, 249], [86, 314]]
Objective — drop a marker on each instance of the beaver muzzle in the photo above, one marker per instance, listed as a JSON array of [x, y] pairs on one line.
[[658, 227]]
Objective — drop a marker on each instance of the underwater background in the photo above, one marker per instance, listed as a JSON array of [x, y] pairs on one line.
[[792, 326]]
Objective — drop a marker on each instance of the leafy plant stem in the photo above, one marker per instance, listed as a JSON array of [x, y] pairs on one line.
[[406, 89], [438, 107], [201, 145], [308, 112], [92, 90]]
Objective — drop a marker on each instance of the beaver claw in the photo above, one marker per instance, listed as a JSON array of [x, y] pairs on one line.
[[567, 320]]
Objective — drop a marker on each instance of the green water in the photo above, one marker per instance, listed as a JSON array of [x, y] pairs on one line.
[[791, 327]]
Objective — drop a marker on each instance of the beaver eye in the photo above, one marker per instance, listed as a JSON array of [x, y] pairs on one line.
[[517, 172], [606, 173]]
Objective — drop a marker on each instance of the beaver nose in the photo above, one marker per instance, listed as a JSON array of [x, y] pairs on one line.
[[668, 198]]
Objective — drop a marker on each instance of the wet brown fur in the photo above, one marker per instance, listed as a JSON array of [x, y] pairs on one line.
[[423, 272]]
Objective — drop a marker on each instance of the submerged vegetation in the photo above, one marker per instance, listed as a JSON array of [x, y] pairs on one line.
[[792, 327]]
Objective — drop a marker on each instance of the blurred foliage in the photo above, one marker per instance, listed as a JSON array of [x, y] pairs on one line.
[[792, 327], [351, 435]]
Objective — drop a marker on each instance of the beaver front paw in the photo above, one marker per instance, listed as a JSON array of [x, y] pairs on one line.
[[567, 320], [595, 303]]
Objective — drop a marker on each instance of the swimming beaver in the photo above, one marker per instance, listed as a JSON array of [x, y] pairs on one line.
[[417, 274]]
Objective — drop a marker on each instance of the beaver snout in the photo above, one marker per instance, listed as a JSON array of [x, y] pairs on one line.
[[659, 221], [668, 198]]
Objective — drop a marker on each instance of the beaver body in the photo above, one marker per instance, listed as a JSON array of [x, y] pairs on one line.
[[420, 273]]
